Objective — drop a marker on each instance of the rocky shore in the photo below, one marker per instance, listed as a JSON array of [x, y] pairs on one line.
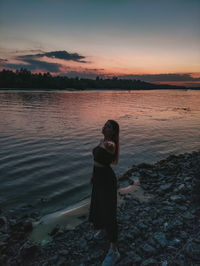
[[165, 230]]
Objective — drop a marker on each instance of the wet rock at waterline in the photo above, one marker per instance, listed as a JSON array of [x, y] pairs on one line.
[[163, 230]]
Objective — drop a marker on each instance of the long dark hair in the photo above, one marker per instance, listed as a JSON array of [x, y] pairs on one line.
[[115, 138]]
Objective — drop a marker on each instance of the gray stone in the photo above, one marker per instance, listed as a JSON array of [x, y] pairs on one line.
[[136, 258], [53, 259], [135, 232], [169, 209], [149, 262], [4, 237], [149, 250], [174, 242], [161, 239], [164, 263], [188, 178], [28, 226], [182, 208], [177, 198], [143, 226], [166, 187], [181, 187], [192, 250], [183, 235], [61, 262], [175, 224], [29, 250], [130, 258], [83, 244], [3, 221], [64, 252], [188, 216]]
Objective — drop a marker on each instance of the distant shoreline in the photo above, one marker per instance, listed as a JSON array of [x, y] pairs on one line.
[[92, 89], [24, 79]]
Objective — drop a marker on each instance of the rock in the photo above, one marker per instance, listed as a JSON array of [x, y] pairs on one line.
[[44, 200], [34, 214], [45, 241], [181, 187], [61, 262], [164, 263], [53, 260], [145, 165], [3, 221], [29, 250], [130, 181], [28, 226], [182, 208], [188, 178], [183, 235], [166, 187], [127, 217], [175, 224], [83, 244], [149, 262], [174, 242], [192, 250], [177, 198], [135, 232], [161, 239], [156, 229], [143, 226], [55, 230], [127, 197], [64, 252], [4, 237], [130, 258], [169, 209], [149, 250], [188, 216], [136, 258]]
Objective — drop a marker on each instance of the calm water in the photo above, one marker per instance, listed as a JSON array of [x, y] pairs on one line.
[[46, 138]]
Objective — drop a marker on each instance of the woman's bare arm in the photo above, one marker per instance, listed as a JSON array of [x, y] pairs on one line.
[[109, 146]]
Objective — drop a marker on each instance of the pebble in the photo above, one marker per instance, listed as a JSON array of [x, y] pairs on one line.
[[149, 232]]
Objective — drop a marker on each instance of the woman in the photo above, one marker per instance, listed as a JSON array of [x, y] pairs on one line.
[[103, 205]]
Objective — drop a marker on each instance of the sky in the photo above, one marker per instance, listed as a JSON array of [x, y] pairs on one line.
[[153, 40]]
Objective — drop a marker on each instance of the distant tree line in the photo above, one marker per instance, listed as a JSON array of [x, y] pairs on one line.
[[23, 78]]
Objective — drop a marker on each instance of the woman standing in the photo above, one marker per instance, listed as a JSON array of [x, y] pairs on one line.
[[103, 205]]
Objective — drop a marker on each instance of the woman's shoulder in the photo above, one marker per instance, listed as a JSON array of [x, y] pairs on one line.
[[109, 146]]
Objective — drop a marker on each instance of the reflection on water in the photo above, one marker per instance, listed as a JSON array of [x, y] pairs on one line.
[[46, 138]]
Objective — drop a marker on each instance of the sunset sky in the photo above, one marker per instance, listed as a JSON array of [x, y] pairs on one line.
[[152, 40]]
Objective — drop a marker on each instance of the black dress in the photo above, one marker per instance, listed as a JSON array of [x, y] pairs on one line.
[[103, 205]]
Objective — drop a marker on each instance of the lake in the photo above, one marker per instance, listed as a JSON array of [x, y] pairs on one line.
[[47, 137]]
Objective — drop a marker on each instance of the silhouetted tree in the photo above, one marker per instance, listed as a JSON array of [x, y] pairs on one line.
[[23, 78]]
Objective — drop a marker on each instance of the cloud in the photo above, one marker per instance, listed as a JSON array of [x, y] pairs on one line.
[[33, 61], [29, 51], [36, 64], [3, 60], [55, 54], [162, 77]]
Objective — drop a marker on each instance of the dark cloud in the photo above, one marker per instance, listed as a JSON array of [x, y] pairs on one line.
[[55, 54], [32, 62], [3, 60], [36, 64], [162, 77]]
